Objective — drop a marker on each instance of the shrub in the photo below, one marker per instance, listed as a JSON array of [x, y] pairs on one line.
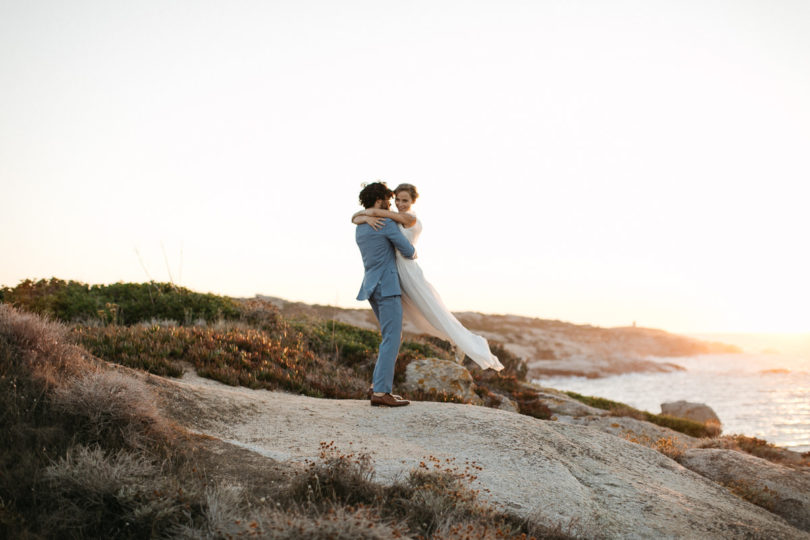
[[513, 365], [111, 409], [100, 495], [262, 315], [48, 486], [344, 478], [340, 342], [234, 356], [124, 303], [509, 381], [758, 447]]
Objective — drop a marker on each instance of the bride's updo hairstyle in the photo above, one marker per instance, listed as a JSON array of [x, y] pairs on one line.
[[410, 188], [373, 192]]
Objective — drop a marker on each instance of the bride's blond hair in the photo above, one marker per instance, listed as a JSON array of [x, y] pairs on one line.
[[410, 188]]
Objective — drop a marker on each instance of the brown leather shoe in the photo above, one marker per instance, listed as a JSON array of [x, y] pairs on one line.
[[388, 400], [370, 393]]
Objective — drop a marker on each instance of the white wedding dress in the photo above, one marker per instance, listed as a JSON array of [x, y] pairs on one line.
[[422, 306]]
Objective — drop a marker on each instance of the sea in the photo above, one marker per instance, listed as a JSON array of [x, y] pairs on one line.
[[763, 393]]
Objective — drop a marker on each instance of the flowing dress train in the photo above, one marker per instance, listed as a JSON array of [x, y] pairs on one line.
[[422, 306]]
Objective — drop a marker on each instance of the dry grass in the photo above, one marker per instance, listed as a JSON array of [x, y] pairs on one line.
[[666, 445], [114, 409], [761, 496], [761, 449], [112, 494]]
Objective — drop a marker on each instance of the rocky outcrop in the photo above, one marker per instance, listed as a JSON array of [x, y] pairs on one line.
[[443, 376], [699, 412], [571, 411], [564, 405], [781, 490], [593, 484]]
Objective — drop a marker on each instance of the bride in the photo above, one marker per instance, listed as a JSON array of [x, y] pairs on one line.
[[421, 304]]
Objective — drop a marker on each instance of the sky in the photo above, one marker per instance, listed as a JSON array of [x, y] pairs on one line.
[[597, 162]]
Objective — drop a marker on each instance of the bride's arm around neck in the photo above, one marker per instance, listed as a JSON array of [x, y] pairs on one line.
[[406, 219]]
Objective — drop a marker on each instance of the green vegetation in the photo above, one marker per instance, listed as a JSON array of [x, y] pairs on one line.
[[235, 355], [122, 303], [689, 427]]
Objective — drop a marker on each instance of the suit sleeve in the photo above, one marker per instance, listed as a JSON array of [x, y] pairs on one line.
[[396, 237]]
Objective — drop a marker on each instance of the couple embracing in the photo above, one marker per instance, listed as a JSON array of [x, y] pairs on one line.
[[394, 285]]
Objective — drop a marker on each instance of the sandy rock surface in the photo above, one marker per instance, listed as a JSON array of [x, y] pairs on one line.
[[604, 485], [635, 430], [785, 490]]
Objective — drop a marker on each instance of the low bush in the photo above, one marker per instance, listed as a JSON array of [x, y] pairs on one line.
[[340, 342], [509, 382], [110, 409], [232, 355], [98, 494], [118, 303], [75, 441]]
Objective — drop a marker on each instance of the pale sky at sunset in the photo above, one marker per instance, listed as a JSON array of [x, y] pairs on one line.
[[597, 162]]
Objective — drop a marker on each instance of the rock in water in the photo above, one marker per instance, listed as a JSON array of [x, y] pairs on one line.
[[438, 375], [699, 412]]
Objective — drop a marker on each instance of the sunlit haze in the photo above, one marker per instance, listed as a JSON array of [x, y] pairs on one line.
[[594, 162]]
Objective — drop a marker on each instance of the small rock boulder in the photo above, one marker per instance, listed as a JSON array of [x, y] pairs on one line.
[[698, 412], [439, 375], [507, 404]]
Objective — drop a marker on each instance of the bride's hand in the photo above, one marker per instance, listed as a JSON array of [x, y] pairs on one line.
[[376, 223]]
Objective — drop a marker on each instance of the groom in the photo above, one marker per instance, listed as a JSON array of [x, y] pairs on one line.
[[381, 288]]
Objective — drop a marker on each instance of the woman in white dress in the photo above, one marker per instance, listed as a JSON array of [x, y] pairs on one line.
[[421, 304]]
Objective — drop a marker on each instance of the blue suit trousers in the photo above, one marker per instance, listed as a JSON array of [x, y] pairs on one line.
[[388, 310]]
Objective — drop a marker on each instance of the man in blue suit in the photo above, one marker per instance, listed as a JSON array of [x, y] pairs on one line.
[[381, 288]]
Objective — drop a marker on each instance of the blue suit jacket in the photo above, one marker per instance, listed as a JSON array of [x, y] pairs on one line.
[[379, 260]]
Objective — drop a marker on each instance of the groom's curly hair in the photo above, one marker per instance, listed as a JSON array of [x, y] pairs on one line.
[[373, 192]]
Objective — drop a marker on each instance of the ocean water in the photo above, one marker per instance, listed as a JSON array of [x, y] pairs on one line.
[[756, 394]]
